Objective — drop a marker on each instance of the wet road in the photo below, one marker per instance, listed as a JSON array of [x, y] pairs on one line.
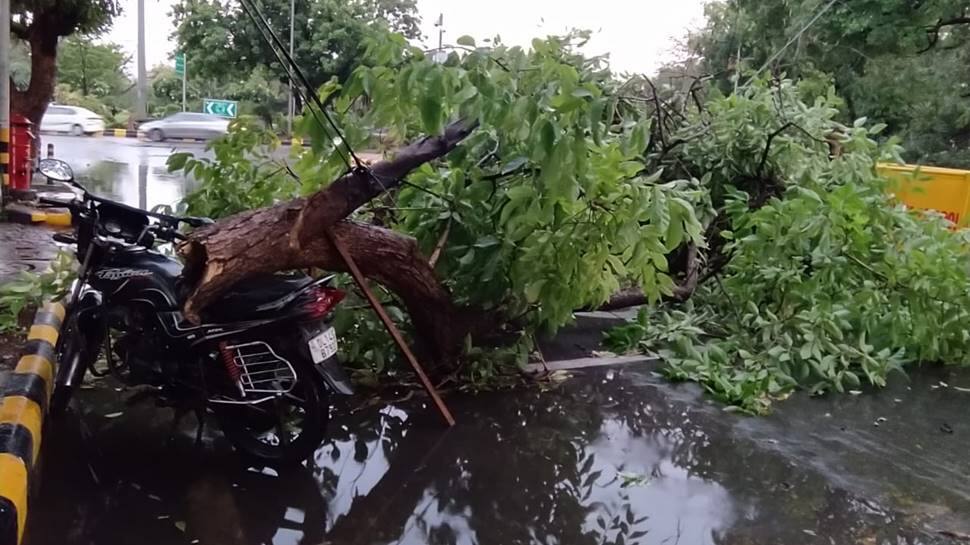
[[611, 456], [125, 169]]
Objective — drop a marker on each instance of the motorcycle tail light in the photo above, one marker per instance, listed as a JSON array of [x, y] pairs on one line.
[[323, 301]]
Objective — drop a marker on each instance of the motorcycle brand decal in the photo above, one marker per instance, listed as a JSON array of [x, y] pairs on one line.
[[118, 274]]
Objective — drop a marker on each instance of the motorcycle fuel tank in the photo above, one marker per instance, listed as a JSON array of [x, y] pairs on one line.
[[139, 275]]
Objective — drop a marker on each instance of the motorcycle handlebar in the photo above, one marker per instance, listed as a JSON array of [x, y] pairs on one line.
[[191, 221], [55, 202]]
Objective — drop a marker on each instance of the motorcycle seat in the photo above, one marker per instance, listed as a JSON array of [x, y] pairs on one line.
[[255, 297]]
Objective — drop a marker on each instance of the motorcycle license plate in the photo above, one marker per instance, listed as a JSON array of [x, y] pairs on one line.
[[323, 345]]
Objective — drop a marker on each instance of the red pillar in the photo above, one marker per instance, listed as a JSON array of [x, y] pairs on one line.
[[21, 160]]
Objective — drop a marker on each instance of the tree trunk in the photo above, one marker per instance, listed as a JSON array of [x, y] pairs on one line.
[[290, 235], [32, 102]]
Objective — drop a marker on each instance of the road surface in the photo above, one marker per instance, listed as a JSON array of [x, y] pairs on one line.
[[125, 169]]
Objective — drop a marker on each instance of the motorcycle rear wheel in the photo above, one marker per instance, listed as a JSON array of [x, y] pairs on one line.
[[285, 430]]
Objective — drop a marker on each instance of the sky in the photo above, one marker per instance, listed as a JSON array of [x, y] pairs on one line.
[[638, 35]]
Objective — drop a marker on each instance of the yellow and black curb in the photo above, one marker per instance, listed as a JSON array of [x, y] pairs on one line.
[[25, 397], [4, 156], [24, 212]]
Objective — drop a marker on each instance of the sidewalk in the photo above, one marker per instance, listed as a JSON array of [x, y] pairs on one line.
[[24, 248]]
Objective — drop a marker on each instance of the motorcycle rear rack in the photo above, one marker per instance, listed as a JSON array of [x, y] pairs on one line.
[[262, 372]]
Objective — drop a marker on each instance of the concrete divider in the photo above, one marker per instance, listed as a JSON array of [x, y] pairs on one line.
[[128, 133], [945, 190], [26, 394]]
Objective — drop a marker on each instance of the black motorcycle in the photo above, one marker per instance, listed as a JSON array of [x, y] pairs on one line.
[[263, 361]]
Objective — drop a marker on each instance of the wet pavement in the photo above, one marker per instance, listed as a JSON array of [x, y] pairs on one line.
[[125, 169], [24, 248], [612, 455]]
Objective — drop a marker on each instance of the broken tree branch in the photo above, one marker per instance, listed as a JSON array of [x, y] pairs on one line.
[[248, 243]]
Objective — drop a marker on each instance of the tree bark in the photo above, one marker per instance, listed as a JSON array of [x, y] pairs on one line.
[[290, 235]]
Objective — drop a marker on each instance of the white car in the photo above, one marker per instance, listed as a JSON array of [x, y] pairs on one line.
[[71, 119]]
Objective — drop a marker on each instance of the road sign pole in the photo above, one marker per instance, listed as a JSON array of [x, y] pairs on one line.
[[185, 70]]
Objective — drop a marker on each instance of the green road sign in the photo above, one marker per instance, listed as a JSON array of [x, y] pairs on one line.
[[180, 63], [224, 108]]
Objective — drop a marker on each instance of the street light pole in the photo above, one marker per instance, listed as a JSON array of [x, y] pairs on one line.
[[290, 105], [141, 106], [441, 30], [185, 71]]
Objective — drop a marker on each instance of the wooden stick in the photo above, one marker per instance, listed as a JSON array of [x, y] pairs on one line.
[[389, 325]]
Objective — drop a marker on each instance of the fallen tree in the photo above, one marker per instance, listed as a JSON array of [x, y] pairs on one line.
[[767, 264], [500, 200]]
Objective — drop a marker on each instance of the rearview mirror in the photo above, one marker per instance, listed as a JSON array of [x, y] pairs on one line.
[[56, 170]]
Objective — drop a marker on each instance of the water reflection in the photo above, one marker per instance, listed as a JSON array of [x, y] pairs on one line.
[[594, 462], [141, 185]]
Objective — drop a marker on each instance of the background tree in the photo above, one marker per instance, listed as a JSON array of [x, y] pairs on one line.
[[41, 23], [903, 63], [92, 75], [222, 43], [91, 68]]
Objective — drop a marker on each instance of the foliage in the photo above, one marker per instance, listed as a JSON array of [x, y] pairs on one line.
[[31, 289], [63, 17], [549, 205], [96, 69], [243, 174], [899, 62], [19, 63], [830, 283]]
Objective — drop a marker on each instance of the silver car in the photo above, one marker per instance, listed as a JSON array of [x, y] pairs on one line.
[[185, 125]]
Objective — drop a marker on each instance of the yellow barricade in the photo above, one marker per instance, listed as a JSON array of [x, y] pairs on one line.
[[946, 190]]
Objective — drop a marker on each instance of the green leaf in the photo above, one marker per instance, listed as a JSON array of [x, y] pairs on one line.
[[548, 135], [430, 114], [533, 289], [176, 161], [514, 164], [466, 41], [595, 119]]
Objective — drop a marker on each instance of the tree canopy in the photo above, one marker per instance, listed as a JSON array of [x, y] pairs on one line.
[[41, 24], [222, 43], [899, 62], [92, 68]]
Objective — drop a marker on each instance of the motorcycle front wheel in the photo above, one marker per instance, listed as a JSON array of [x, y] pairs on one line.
[[284, 430], [75, 351]]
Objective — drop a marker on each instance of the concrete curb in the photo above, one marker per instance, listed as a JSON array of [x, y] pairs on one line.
[[581, 363], [25, 213], [26, 393]]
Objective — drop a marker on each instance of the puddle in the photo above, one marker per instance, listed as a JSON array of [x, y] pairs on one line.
[[612, 456]]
